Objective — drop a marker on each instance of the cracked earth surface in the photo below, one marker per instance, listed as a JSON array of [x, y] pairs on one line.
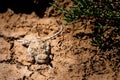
[[74, 58]]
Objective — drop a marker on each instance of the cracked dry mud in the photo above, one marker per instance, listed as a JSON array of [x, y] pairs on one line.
[[74, 57]]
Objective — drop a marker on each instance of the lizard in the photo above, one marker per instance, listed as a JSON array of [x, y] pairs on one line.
[[40, 49]]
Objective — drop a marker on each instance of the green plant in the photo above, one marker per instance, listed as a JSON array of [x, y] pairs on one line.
[[103, 11], [98, 35]]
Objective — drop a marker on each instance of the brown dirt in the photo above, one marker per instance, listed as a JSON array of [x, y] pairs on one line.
[[74, 56]]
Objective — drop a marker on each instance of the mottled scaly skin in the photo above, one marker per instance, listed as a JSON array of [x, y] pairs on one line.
[[40, 51]]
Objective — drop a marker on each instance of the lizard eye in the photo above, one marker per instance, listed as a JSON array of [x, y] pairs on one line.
[[24, 42]]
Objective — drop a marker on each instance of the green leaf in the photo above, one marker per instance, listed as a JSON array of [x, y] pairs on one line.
[[100, 26], [110, 0]]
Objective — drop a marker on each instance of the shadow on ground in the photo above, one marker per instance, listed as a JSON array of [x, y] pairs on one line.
[[25, 6], [102, 39]]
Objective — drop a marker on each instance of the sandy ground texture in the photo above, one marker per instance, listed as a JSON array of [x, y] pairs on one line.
[[74, 56]]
